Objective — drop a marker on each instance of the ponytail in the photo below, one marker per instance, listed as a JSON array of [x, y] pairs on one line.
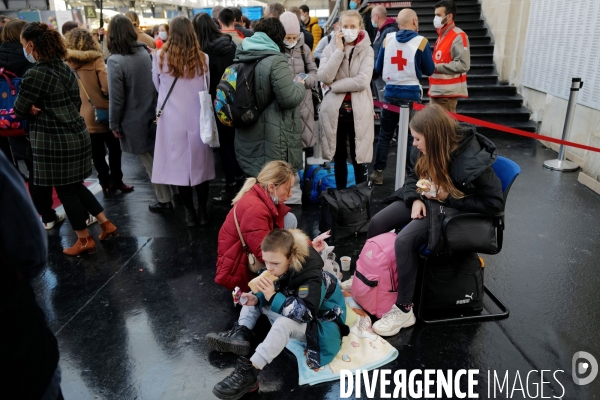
[[275, 172]]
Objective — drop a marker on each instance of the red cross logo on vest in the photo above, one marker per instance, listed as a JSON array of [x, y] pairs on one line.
[[399, 61]]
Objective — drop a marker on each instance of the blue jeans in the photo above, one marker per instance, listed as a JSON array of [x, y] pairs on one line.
[[388, 123]]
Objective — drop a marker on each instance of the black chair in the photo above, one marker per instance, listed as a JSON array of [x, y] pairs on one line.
[[507, 171]]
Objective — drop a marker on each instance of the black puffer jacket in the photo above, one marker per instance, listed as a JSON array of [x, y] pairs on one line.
[[220, 56], [471, 172], [12, 58]]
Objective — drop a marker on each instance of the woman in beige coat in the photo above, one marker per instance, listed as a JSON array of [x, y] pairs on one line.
[[86, 59], [346, 114]]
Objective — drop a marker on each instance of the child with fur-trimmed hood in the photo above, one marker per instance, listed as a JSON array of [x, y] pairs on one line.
[[305, 303]]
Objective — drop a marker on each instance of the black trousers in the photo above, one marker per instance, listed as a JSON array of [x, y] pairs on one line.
[[346, 137], [414, 233], [110, 173], [40, 195], [187, 195], [5, 148], [231, 167], [79, 202]]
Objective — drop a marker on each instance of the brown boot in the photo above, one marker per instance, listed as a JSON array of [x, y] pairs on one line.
[[81, 245], [108, 230]]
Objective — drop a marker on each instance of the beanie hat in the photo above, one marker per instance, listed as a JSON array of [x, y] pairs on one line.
[[290, 23]]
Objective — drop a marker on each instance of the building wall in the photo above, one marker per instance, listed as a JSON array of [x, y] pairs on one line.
[[507, 20]]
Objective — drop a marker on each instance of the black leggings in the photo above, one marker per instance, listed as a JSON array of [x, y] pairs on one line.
[[79, 202], [111, 173], [187, 195], [346, 136], [231, 167], [408, 242]]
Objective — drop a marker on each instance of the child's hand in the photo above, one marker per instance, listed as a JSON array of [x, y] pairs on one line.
[[319, 242], [266, 287], [251, 300]]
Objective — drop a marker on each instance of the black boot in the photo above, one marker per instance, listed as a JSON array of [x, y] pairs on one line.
[[227, 194], [202, 193], [190, 216], [236, 340], [244, 379]]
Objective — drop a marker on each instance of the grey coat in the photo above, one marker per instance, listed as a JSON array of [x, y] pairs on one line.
[[307, 112], [132, 99]]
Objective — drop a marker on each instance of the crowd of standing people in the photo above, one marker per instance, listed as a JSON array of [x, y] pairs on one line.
[[138, 92]]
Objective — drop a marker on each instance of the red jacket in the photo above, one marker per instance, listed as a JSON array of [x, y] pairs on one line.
[[257, 215]]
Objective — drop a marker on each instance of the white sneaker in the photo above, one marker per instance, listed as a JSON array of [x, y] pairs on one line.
[[59, 218], [91, 220], [347, 284], [392, 321]]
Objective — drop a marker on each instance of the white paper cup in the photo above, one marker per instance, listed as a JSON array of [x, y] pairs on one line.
[[345, 263]]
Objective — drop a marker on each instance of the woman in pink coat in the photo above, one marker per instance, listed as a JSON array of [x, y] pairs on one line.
[[180, 156]]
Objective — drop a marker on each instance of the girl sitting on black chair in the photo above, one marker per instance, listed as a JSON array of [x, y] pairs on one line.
[[457, 163]]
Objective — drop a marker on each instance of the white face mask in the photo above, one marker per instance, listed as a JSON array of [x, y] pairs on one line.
[[303, 18], [350, 35], [437, 22], [162, 36], [290, 45]]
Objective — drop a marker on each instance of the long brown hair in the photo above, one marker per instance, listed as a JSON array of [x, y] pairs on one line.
[[182, 51], [441, 139]]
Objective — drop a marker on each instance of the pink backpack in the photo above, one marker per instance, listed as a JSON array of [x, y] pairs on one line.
[[375, 283]]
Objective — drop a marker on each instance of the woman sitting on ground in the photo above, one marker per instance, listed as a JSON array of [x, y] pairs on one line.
[[259, 208], [458, 162]]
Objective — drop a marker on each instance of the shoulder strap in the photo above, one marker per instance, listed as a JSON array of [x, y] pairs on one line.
[[83, 87], [304, 59], [237, 226], [159, 112]]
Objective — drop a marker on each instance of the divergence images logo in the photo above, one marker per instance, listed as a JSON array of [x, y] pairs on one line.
[[581, 367]]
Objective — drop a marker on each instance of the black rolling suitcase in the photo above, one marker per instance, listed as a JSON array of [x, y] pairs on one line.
[[453, 283]]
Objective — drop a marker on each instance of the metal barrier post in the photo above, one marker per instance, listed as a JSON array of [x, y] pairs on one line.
[[402, 143], [560, 164], [316, 159]]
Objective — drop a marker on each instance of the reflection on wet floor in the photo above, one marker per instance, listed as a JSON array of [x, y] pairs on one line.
[[130, 320]]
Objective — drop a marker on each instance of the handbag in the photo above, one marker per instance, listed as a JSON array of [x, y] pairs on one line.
[[453, 230], [10, 125], [208, 124], [254, 265], [152, 124], [346, 211], [100, 114]]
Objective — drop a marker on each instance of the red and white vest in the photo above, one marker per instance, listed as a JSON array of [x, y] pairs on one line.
[[448, 85], [399, 61]]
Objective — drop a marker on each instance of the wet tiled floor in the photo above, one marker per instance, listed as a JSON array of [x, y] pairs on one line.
[[130, 320]]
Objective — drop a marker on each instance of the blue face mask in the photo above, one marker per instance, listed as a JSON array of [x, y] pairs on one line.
[[374, 24], [29, 57], [353, 5]]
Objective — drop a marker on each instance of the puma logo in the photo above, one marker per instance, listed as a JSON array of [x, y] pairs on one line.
[[469, 296]]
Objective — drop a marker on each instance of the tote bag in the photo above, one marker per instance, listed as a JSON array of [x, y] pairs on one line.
[[208, 124]]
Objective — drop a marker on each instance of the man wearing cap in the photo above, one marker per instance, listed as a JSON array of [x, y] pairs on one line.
[[405, 56]]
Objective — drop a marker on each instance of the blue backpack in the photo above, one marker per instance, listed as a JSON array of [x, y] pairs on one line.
[[10, 125], [320, 177]]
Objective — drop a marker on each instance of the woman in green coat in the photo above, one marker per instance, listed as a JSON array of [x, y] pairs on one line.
[[277, 135], [49, 99]]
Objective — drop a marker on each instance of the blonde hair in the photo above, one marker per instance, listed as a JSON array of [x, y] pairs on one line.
[[275, 172], [352, 13], [292, 243], [134, 18]]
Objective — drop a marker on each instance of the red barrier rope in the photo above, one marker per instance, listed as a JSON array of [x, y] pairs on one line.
[[491, 125]]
